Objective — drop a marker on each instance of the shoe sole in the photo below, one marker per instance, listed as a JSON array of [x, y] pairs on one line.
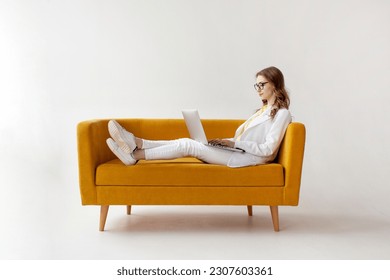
[[116, 132], [114, 147]]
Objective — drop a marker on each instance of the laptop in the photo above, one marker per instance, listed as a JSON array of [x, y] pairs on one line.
[[195, 128]]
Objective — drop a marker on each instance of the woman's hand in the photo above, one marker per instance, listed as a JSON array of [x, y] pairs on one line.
[[222, 142]]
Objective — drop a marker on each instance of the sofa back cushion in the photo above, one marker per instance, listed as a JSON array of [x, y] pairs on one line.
[[165, 129]]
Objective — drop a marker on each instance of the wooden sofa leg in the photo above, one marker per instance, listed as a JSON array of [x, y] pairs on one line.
[[250, 211], [103, 216], [275, 217], [128, 209]]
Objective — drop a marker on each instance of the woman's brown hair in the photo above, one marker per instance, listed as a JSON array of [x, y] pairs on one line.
[[275, 76]]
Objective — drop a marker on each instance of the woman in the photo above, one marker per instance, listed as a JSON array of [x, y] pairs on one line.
[[260, 136]]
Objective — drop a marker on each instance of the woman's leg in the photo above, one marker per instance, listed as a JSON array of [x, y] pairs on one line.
[[143, 144], [182, 148], [170, 149], [149, 144]]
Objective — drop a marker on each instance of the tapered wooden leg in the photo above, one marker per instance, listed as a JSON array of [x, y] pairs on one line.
[[250, 211], [103, 216], [128, 209], [275, 217]]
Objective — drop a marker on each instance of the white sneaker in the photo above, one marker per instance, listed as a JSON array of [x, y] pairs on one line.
[[126, 158], [125, 139]]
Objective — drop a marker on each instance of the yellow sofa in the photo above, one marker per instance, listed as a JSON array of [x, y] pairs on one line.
[[105, 181]]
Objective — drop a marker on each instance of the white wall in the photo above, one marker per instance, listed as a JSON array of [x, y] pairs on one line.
[[62, 62]]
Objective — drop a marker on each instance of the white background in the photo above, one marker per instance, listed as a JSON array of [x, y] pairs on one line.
[[62, 62]]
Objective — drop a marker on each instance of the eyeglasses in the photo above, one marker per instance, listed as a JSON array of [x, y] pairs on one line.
[[260, 86]]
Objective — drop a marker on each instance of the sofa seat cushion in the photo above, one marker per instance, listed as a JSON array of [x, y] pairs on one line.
[[187, 172]]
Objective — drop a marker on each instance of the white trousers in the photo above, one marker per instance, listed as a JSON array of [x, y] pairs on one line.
[[185, 147]]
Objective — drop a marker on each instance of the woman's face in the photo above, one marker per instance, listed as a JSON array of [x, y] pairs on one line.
[[266, 90]]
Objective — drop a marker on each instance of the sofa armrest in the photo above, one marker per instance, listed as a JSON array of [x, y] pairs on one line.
[[291, 157], [92, 151]]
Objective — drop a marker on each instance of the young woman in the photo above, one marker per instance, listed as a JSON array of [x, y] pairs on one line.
[[260, 136]]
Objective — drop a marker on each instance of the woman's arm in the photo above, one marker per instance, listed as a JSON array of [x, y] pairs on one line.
[[273, 138]]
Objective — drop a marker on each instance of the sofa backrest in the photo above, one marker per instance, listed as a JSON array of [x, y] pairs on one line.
[[165, 129]]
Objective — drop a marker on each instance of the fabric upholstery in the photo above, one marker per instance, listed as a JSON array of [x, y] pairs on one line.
[[186, 172]]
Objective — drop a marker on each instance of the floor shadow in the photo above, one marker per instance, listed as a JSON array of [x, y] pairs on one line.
[[211, 222]]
